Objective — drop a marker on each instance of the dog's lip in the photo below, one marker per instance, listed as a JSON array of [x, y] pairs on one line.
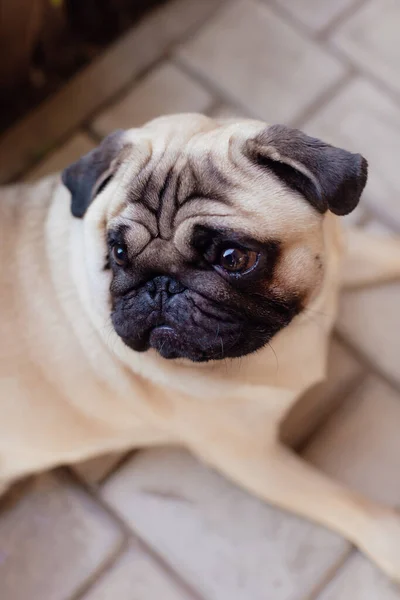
[[162, 328], [161, 331], [165, 340]]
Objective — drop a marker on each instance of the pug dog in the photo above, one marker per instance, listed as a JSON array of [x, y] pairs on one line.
[[178, 285]]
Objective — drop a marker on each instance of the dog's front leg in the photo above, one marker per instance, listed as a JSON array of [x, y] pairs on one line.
[[278, 475], [370, 259]]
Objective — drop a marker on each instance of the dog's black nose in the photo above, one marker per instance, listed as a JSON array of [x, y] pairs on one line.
[[163, 285]]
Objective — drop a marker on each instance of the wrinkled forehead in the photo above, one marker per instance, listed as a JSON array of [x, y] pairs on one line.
[[190, 166], [174, 141]]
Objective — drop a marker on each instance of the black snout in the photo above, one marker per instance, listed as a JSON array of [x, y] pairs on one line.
[[163, 285]]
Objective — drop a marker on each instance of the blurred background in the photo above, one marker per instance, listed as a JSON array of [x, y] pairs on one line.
[[157, 524]]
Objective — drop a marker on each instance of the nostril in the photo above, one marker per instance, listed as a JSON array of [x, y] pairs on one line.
[[163, 285]]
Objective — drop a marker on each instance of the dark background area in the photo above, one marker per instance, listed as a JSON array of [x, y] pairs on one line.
[[44, 42]]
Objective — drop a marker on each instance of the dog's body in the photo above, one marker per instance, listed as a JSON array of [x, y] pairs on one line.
[[66, 394], [70, 388]]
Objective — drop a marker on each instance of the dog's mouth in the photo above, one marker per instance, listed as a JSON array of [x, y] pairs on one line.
[[197, 330], [170, 344], [165, 341], [162, 338]]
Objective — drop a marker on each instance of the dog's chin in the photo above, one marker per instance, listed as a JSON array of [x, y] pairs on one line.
[[167, 342], [198, 333], [170, 344]]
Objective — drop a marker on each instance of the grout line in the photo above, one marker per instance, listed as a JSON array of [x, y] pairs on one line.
[[324, 39], [307, 31], [129, 86], [317, 35], [96, 485], [323, 99], [221, 94], [118, 465], [331, 574], [97, 575], [175, 576], [363, 358], [92, 491], [204, 22], [226, 97], [290, 18], [128, 534], [346, 14], [65, 475], [364, 73]]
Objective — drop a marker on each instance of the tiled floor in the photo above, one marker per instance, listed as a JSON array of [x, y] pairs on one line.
[[157, 524]]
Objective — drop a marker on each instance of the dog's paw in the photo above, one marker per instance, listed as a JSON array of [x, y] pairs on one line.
[[382, 544]]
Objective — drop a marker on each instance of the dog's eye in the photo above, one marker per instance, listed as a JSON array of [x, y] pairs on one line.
[[237, 260], [120, 254]]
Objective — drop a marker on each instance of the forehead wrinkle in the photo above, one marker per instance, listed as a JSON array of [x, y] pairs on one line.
[[216, 174], [146, 159], [176, 176], [183, 185], [143, 216], [237, 157], [142, 187], [137, 239], [138, 184], [203, 186], [167, 204], [200, 207], [199, 218]]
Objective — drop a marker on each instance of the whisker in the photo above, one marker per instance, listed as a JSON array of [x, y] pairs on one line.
[[222, 346], [276, 356]]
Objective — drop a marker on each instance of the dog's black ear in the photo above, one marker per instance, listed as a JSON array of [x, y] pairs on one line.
[[328, 177], [90, 174]]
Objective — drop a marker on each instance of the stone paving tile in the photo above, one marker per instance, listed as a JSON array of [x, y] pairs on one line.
[[165, 90], [315, 14], [68, 153], [371, 39], [378, 228], [357, 217], [360, 444], [52, 540], [225, 111], [136, 576], [379, 341], [226, 544], [360, 580], [260, 61], [96, 84], [95, 470], [344, 370], [363, 119]]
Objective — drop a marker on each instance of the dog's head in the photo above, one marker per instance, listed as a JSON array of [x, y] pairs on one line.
[[211, 232]]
